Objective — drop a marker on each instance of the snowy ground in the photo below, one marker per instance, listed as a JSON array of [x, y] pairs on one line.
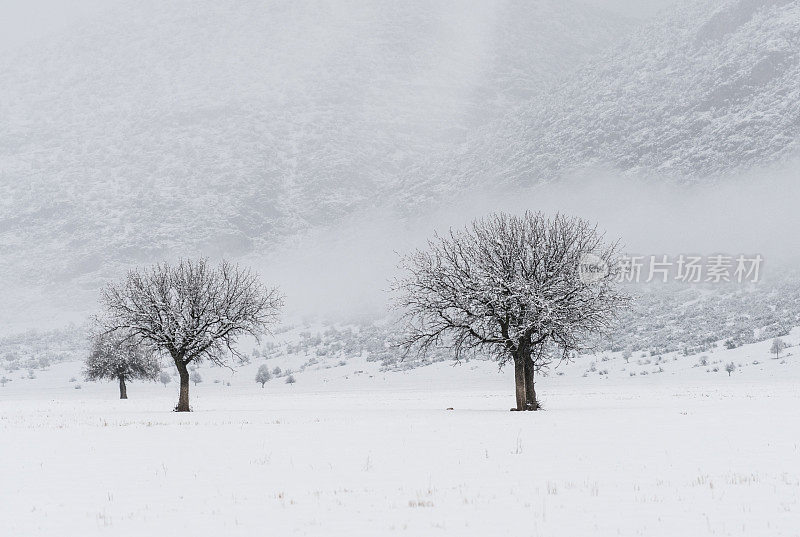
[[684, 452]]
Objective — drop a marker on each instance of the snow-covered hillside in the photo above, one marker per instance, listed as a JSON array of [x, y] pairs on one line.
[[361, 357], [173, 128], [705, 90], [685, 320], [183, 128]]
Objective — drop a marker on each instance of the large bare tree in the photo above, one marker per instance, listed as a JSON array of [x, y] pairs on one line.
[[524, 289], [191, 312]]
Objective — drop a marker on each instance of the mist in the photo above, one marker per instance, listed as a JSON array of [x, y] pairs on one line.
[[348, 129], [345, 271], [24, 21]]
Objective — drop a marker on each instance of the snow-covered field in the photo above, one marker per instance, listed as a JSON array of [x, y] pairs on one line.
[[343, 452]]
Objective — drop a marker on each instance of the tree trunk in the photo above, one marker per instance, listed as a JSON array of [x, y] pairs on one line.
[[530, 391], [519, 380], [123, 390], [183, 400]]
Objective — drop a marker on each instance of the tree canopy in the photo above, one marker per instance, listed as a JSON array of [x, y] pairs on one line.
[[191, 311], [516, 288]]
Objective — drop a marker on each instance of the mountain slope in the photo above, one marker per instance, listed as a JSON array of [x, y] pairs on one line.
[[710, 90], [164, 129]]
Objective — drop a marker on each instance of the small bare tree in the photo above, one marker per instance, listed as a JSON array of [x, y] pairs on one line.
[[115, 357], [730, 368], [530, 290], [195, 377], [191, 312], [778, 345], [263, 375], [164, 378]]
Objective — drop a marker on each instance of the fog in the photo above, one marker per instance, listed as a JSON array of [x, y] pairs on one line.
[[345, 271], [22, 21]]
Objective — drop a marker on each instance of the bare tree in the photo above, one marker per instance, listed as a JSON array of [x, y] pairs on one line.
[[164, 378], [627, 355], [115, 357], [195, 377], [191, 312], [263, 376], [730, 368], [530, 290], [778, 345]]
